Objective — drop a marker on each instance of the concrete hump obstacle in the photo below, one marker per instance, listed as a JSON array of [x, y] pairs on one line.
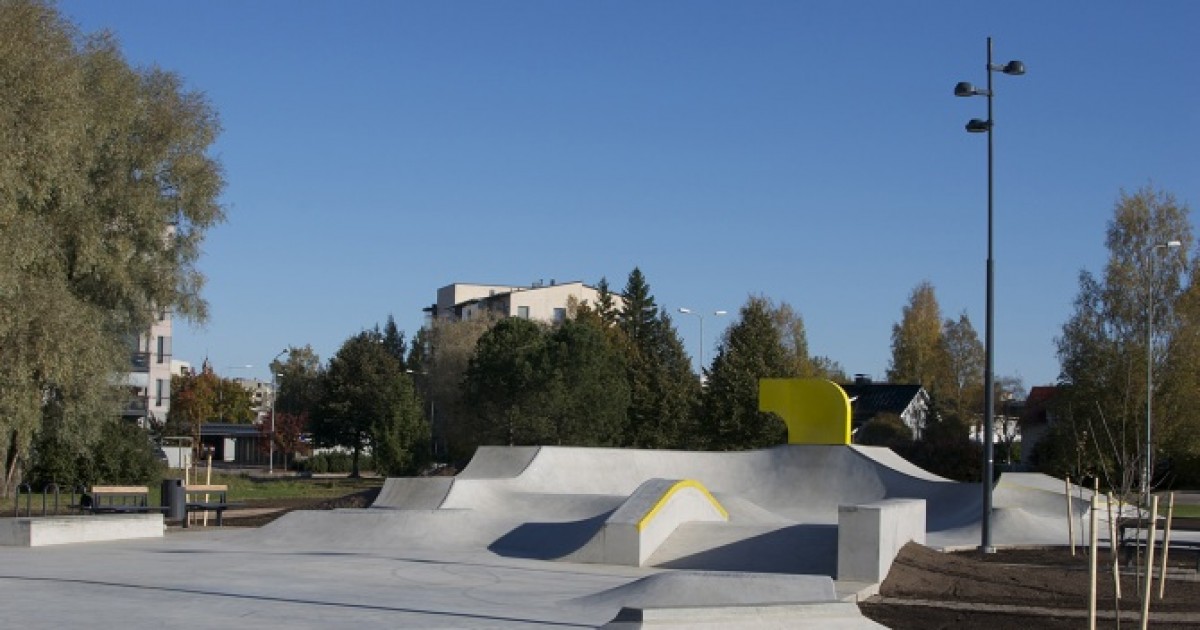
[[647, 519]]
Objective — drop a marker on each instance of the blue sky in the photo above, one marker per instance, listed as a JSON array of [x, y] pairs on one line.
[[811, 152]]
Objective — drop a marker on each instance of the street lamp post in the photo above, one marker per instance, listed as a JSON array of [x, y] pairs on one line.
[[989, 415], [688, 311], [1148, 465], [274, 395]]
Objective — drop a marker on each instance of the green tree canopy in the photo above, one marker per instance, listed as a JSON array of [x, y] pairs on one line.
[[368, 401], [752, 349], [505, 381], [918, 353], [106, 192], [1103, 347]]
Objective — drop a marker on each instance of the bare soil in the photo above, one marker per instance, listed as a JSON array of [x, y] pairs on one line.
[[1025, 589]]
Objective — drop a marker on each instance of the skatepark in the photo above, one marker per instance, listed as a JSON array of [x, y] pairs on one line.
[[787, 536]]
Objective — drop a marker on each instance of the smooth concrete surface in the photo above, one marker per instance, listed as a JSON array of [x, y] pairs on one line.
[[40, 531], [871, 535], [488, 548]]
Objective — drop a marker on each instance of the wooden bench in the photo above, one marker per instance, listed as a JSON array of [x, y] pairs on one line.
[[193, 502], [118, 500]]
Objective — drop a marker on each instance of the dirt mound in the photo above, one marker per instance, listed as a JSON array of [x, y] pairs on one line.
[[1026, 588]]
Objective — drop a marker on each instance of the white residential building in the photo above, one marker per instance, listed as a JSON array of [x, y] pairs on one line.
[[149, 378], [543, 302]]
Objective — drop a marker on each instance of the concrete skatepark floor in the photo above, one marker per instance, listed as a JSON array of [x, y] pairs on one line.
[[482, 550], [1017, 589]]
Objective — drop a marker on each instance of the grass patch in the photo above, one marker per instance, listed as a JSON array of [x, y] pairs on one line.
[[243, 488], [1184, 511]]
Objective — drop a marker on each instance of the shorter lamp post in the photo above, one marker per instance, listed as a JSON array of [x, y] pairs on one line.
[[274, 395], [1148, 467], [688, 311]]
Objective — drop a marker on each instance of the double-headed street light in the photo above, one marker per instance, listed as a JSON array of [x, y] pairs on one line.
[[989, 415], [688, 311], [1148, 464], [274, 395]]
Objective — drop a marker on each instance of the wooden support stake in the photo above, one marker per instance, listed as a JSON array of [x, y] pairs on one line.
[[1093, 540], [1149, 563], [1114, 545], [1070, 517], [1162, 576]]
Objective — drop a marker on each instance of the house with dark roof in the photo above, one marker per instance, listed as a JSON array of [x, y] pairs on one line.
[[1037, 416], [869, 400]]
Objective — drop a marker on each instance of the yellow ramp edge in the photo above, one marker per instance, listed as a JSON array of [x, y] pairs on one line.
[[816, 411], [676, 487]]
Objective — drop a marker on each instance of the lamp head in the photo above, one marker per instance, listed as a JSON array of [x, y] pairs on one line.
[[1014, 67], [1173, 244], [964, 88], [979, 126], [684, 310]]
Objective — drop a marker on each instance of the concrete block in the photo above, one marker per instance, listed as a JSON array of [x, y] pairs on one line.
[[59, 530], [870, 536]]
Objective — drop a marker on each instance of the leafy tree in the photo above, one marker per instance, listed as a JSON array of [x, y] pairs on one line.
[[885, 430], [368, 401], [1103, 346], [751, 349], [965, 357], [504, 382], [393, 340], [918, 354], [605, 306], [289, 435], [791, 329], [587, 394], [106, 193], [298, 381], [445, 352], [664, 393]]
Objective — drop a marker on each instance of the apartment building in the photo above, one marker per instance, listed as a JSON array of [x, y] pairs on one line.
[[149, 377], [539, 301]]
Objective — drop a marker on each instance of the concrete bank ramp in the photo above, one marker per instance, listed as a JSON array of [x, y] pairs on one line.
[[554, 502]]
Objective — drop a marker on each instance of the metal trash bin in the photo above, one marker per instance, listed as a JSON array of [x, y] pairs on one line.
[[173, 499]]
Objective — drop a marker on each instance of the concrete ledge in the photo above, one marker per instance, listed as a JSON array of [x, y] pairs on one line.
[[61, 530], [870, 536], [824, 616], [649, 516]]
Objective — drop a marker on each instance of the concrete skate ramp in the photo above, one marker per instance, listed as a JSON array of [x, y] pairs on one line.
[[413, 493], [782, 503], [804, 483]]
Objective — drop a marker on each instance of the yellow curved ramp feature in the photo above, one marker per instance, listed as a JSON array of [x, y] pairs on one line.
[[634, 531], [816, 411], [675, 488]]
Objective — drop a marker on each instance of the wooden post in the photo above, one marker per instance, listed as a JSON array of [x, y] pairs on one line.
[[1114, 545], [1149, 563], [1093, 544], [1162, 576], [1070, 516]]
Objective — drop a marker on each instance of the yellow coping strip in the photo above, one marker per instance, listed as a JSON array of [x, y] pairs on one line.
[[678, 486]]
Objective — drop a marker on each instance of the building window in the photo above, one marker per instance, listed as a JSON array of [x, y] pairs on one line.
[[159, 387], [523, 312], [560, 315], [162, 347]]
